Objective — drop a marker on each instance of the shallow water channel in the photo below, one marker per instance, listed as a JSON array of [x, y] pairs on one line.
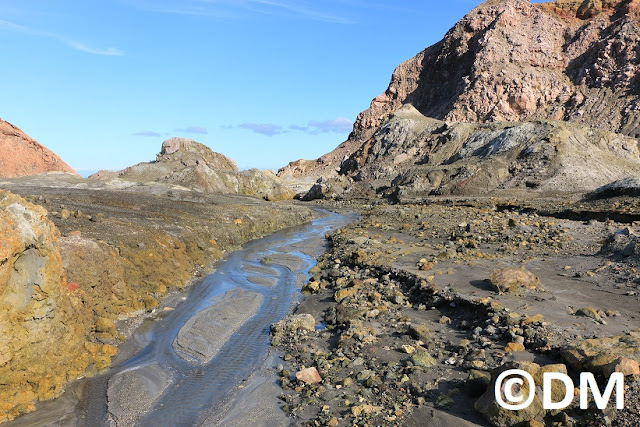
[[185, 366]]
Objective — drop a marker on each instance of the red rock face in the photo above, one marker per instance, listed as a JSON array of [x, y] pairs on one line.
[[512, 60], [21, 156]]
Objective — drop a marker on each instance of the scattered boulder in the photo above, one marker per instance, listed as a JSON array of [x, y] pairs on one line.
[[309, 376], [622, 364], [591, 313], [499, 416], [622, 244], [597, 353], [513, 280], [514, 347], [291, 325]]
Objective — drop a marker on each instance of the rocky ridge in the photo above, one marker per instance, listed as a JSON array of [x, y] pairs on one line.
[[412, 156], [20, 155], [514, 61], [187, 163]]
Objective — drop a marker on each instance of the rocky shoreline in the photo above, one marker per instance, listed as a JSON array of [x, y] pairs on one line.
[[425, 304]]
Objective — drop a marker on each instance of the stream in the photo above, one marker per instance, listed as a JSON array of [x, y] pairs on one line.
[[205, 359]]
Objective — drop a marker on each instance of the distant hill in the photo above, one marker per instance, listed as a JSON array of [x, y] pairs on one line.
[[187, 163], [20, 155]]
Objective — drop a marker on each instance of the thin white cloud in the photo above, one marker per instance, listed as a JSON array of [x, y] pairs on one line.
[[239, 8], [110, 51], [17, 28]]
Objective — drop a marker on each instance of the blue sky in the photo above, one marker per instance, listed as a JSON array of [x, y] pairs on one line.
[[103, 83]]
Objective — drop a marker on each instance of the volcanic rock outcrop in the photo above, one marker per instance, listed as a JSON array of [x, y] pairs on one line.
[[20, 155], [41, 319], [514, 61], [187, 163], [413, 156]]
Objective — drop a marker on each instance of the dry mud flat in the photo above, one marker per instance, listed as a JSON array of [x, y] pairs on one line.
[[416, 331]]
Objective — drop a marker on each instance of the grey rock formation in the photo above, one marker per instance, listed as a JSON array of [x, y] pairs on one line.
[[187, 163], [629, 186], [415, 156]]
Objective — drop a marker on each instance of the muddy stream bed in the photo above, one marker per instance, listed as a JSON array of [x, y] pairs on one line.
[[205, 358]]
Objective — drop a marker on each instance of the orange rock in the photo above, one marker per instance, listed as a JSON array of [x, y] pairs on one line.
[[309, 376], [624, 365]]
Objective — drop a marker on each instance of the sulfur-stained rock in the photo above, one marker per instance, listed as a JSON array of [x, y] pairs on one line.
[[514, 347], [43, 325], [498, 416], [596, 353]]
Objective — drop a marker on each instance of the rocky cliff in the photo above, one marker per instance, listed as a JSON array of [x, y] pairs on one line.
[[187, 163], [515, 61], [21, 156], [43, 323]]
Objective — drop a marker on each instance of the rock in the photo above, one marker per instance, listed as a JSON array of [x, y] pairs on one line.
[[409, 349], [536, 318], [106, 326], [477, 382], [420, 332], [513, 280], [188, 163], [591, 313], [43, 324], [623, 244], [594, 354], [357, 410], [514, 347], [290, 325], [498, 416], [311, 287], [622, 364], [424, 265], [342, 294], [20, 155], [629, 186], [423, 358], [309, 376]]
